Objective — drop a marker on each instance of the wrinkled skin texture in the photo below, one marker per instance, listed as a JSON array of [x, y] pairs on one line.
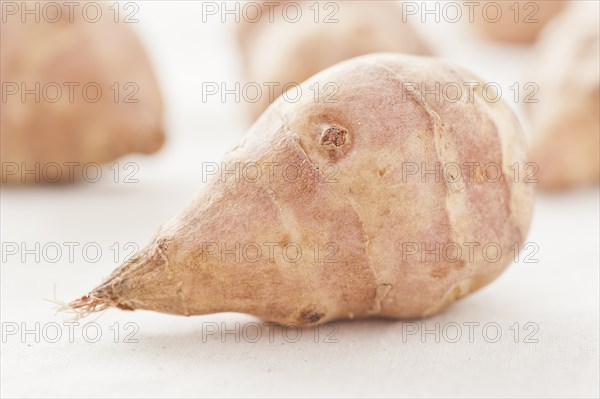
[[566, 120], [61, 129], [530, 17], [287, 53], [362, 205]]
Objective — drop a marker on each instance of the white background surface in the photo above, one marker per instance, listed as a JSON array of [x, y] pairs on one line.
[[176, 356]]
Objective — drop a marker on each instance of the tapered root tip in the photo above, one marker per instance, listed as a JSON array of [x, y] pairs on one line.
[[120, 290], [85, 306]]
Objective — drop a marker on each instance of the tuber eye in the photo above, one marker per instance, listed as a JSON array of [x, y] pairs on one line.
[[333, 135], [310, 316]]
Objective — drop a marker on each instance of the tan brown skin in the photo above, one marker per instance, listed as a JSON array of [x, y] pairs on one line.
[[566, 119], [367, 209], [57, 130], [517, 24], [286, 53]]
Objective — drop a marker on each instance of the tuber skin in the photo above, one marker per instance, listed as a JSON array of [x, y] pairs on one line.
[[520, 21], [286, 53], [64, 127], [565, 121], [368, 210]]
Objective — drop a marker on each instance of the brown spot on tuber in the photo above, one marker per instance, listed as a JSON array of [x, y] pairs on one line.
[[334, 135], [310, 316], [335, 141], [440, 272], [285, 240], [163, 243]]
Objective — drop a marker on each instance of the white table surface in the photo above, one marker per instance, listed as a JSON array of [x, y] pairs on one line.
[[184, 357]]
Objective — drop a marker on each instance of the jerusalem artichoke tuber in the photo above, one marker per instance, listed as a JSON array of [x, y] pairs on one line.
[[336, 176], [75, 91], [518, 21], [282, 53], [566, 119]]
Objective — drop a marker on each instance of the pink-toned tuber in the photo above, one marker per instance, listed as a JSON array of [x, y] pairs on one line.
[[330, 181], [287, 50], [515, 21], [566, 119], [75, 91]]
